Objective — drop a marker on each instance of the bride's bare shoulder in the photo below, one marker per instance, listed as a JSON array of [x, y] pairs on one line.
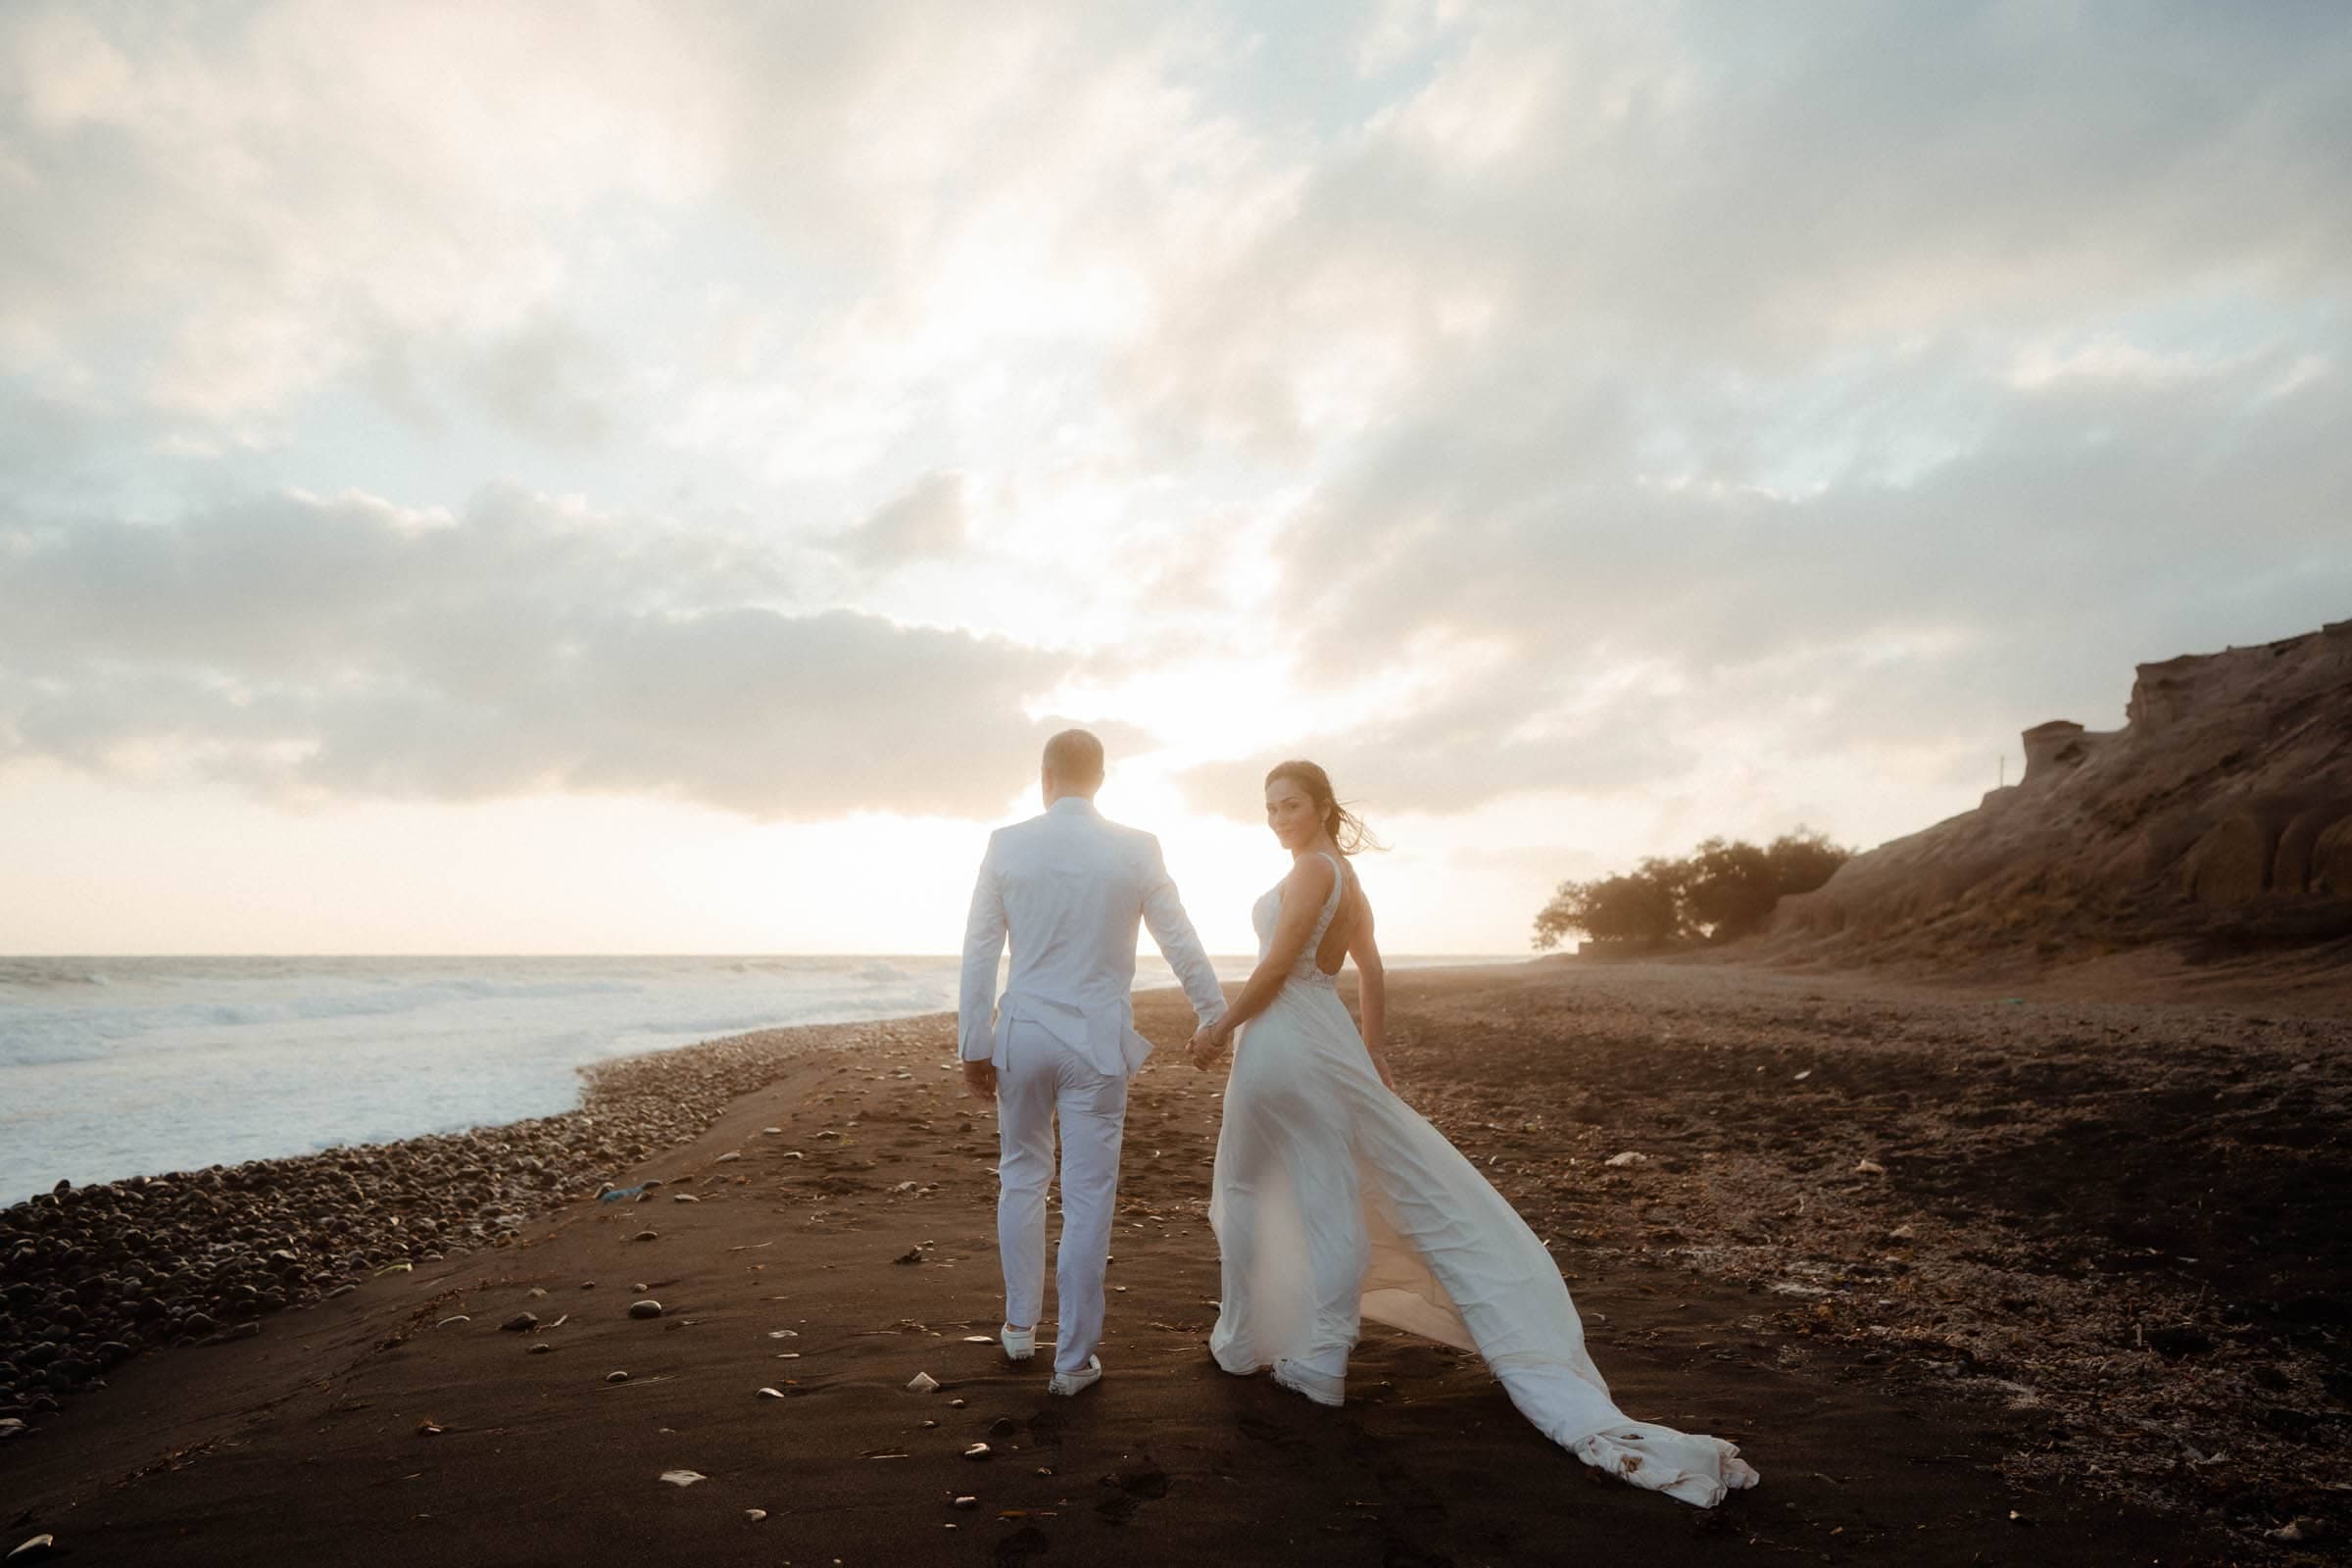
[[1310, 875]]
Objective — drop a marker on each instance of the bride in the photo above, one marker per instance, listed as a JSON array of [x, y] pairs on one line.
[[1336, 1202]]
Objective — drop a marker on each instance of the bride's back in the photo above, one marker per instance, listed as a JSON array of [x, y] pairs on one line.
[[1332, 952]]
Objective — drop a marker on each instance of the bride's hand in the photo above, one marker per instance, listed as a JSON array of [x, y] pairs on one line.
[[1206, 1042], [1380, 1064]]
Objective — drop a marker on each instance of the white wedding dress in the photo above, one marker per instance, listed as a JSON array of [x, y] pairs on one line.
[[1335, 1201]]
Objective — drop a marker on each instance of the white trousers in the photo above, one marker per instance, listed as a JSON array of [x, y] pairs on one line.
[[1037, 1078]]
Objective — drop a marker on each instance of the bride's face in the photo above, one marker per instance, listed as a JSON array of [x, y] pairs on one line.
[[1291, 814]]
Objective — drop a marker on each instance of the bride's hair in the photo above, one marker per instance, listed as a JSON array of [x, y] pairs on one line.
[[1346, 829]]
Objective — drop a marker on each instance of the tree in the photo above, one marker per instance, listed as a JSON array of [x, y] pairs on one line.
[[1729, 891], [1637, 907], [1722, 890], [1805, 859]]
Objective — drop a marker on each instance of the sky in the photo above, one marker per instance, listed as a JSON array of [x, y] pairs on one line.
[[628, 478]]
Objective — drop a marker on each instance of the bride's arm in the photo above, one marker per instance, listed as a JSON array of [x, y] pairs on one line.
[[1372, 994], [1302, 894]]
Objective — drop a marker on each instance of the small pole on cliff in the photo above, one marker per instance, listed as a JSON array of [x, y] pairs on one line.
[[2004, 771]]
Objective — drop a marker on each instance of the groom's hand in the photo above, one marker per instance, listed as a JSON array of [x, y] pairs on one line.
[[980, 1077]]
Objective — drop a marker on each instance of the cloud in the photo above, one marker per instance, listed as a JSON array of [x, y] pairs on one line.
[[1581, 626], [550, 380], [924, 522], [1859, 393], [1411, 766], [1516, 398], [321, 648], [1713, 190]]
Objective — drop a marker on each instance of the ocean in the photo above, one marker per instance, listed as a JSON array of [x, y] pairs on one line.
[[115, 1067]]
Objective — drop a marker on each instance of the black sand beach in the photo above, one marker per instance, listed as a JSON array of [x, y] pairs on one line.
[[1970, 1278]]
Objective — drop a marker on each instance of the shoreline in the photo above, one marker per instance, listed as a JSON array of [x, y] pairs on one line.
[[92, 1275], [576, 1075], [159, 1237]]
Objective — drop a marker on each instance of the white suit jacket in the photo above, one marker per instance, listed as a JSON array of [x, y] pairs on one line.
[[1070, 886]]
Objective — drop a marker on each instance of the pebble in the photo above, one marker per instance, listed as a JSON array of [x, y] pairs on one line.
[[683, 1478], [461, 1317], [616, 1377], [645, 1309], [723, 1158], [967, 1500], [922, 1383], [537, 1291], [771, 1394], [646, 1235], [978, 1450], [681, 1198], [35, 1550], [954, 1404], [541, 1348], [755, 1515], [520, 1322], [162, 1260]]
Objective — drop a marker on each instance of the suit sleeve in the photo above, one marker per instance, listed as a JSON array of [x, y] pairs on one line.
[[1179, 944], [983, 946]]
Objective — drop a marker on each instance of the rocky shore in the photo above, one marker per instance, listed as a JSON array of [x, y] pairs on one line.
[[91, 1276]]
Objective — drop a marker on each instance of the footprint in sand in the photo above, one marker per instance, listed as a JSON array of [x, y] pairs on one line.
[[1018, 1547], [1261, 1429], [1146, 1485]]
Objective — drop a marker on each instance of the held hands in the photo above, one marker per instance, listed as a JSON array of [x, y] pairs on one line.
[[1208, 1042]]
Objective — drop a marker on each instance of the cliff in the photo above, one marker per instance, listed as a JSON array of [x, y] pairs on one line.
[[2220, 816]]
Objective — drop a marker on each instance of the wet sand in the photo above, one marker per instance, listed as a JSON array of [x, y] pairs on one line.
[[2086, 1308]]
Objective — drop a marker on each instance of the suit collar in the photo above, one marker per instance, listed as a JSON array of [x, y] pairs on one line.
[[1072, 806]]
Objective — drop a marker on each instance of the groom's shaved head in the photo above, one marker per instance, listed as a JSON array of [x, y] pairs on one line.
[[1076, 759]]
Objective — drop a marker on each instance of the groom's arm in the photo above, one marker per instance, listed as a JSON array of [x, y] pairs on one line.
[[1179, 944], [976, 1003]]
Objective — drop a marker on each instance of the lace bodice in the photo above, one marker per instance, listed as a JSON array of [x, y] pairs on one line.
[[1266, 912]]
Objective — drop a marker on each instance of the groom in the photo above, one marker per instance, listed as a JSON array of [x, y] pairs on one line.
[[1070, 886]]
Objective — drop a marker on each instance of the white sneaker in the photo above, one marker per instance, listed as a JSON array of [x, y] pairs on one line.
[[1319, 1386], [1080, 1381], [1019, 1343]]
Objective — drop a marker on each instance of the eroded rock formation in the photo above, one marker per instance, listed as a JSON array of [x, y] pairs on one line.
[[2223, 805]]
